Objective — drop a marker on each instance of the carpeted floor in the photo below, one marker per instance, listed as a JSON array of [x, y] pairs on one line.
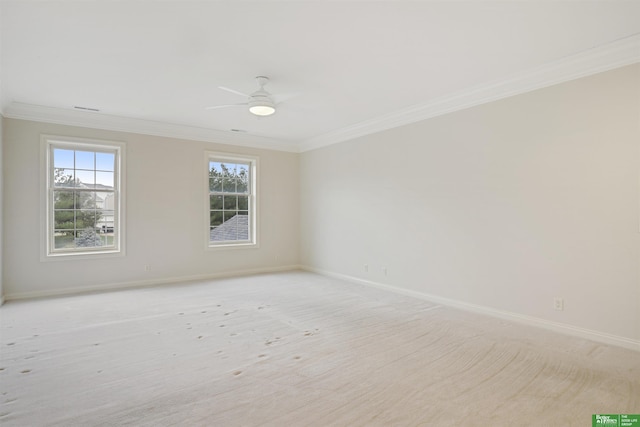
[[294, 349]]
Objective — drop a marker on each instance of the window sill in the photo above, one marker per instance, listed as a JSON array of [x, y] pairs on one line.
[[69, 256], [232, 246]]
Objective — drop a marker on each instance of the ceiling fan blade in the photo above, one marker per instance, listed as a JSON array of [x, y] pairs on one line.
[[233, 91], [283, 97], [225, 106]]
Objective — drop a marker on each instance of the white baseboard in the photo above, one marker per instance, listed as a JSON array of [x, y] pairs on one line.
[[506, 315], [146, 283]]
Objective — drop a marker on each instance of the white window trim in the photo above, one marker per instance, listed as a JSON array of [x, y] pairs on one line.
[[46, 220], [253, 202]]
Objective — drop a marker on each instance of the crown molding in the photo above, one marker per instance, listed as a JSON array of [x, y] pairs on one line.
[[617, 54], [93, 120]]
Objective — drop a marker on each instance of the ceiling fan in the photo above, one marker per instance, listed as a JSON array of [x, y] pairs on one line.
[[260, 102]]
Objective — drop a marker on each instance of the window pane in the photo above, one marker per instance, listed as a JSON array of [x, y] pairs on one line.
[[228, 184], [99, 201], [105, 161], [215, 218], [85, 160], [86, 199], [230, 202], [109, 201], [215, 202], [87, 238], [62, 158], [104, 179], [86, 177], [108, 240], [86, 219], [230, 231], [242, 185], [229, 215], [63, 240], [63, 199], [105, 221], [216, 184], [63, 177], [242, 169], [215, 168], [228, 169], [64, 219], [242, 223], [243, 202], [242, 178]]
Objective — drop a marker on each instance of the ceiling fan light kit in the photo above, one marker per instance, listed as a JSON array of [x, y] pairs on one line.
[[261, 106], [260, 102]]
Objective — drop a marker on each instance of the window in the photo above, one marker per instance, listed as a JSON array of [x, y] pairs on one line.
[[83, 197], [231, 200]]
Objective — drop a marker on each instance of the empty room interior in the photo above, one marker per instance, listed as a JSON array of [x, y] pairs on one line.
[[310, 213]]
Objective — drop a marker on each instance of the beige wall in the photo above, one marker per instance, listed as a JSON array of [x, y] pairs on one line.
[[164, 215], [505, 205]]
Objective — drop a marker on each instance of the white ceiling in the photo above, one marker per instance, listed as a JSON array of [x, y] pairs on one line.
[[350, 64]]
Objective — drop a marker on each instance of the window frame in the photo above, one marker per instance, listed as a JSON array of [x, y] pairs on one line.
[[216, 156], [48, 250]]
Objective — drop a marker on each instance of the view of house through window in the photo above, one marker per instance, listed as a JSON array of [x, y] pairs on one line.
[[83, 198], [231, 201]]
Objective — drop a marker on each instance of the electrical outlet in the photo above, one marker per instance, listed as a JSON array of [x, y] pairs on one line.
[[558, 303], [147, 267], [384, 270], [366, 268]]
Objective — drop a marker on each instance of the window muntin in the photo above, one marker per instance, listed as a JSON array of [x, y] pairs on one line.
[[83, 198], [231, 200]]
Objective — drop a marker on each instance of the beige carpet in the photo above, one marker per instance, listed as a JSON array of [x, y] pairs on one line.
[[294, 349]]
